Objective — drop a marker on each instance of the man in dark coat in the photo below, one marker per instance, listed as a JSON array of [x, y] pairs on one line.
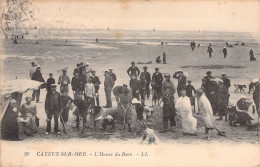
[[225, 52], [226, 83], [113, 75], [50, 81], [168, 110], [157, 80], [9, 125], [37, 76], [181, 81], [135, 86], [77, 84], [65, 107], [108, 86], [212, 95], [148, 81], [133, 70], [76, 69], [96, 82], [222, 100], [207, 83], [53, 108]]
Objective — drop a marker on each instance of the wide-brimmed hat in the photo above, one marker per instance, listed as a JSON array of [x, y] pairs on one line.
[[135, 101]]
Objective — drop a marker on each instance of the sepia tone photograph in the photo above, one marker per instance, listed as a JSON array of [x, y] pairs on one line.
[[129, 83]]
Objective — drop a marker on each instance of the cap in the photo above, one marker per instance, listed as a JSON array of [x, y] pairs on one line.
[[156, 68], [50, 74], [124, 85], [166, 75], [135, 101], [209, 72], [145, 67], [64, 70], [189, 80], [224, 73], [93, 71], [106, 71], [132, 62]]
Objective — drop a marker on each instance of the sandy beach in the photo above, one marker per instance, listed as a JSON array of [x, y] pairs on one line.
[[118, 49]]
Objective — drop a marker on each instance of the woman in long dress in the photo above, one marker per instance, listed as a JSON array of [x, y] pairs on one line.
[[183, 106], [27, 121], [205, 110]]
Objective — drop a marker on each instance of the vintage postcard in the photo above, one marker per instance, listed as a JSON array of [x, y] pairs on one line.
[[129, 83]]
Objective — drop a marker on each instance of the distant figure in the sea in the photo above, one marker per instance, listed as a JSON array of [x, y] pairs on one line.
[[164, 58], [158, 59], [210, 50], [198, 45], [225, 52], [192, 45], [149, 62], [97, 40], [251, 54]]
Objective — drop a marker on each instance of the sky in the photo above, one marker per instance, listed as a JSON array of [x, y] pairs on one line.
[[233, 16]]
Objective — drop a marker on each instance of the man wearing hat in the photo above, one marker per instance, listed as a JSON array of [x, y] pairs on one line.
[[157, 80], [222, 99], [181, 81], [64, 81], [77, 84], [96, 82], [108, 86], [226, 82], [208, 82], [37, 76], [53, 108], [133, 70], [256, 94], [167, 83], [113, 75], [168, 109], [76, 69], [33, 69], [148, 81], [50, 81]]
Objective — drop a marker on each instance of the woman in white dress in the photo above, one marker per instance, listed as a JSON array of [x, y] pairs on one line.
[[183, 107], [205, 110]]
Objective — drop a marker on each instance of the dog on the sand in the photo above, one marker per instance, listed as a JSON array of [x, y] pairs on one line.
[[239, 88]]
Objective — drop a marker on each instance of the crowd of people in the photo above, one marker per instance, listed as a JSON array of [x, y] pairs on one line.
[[212, 96]]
